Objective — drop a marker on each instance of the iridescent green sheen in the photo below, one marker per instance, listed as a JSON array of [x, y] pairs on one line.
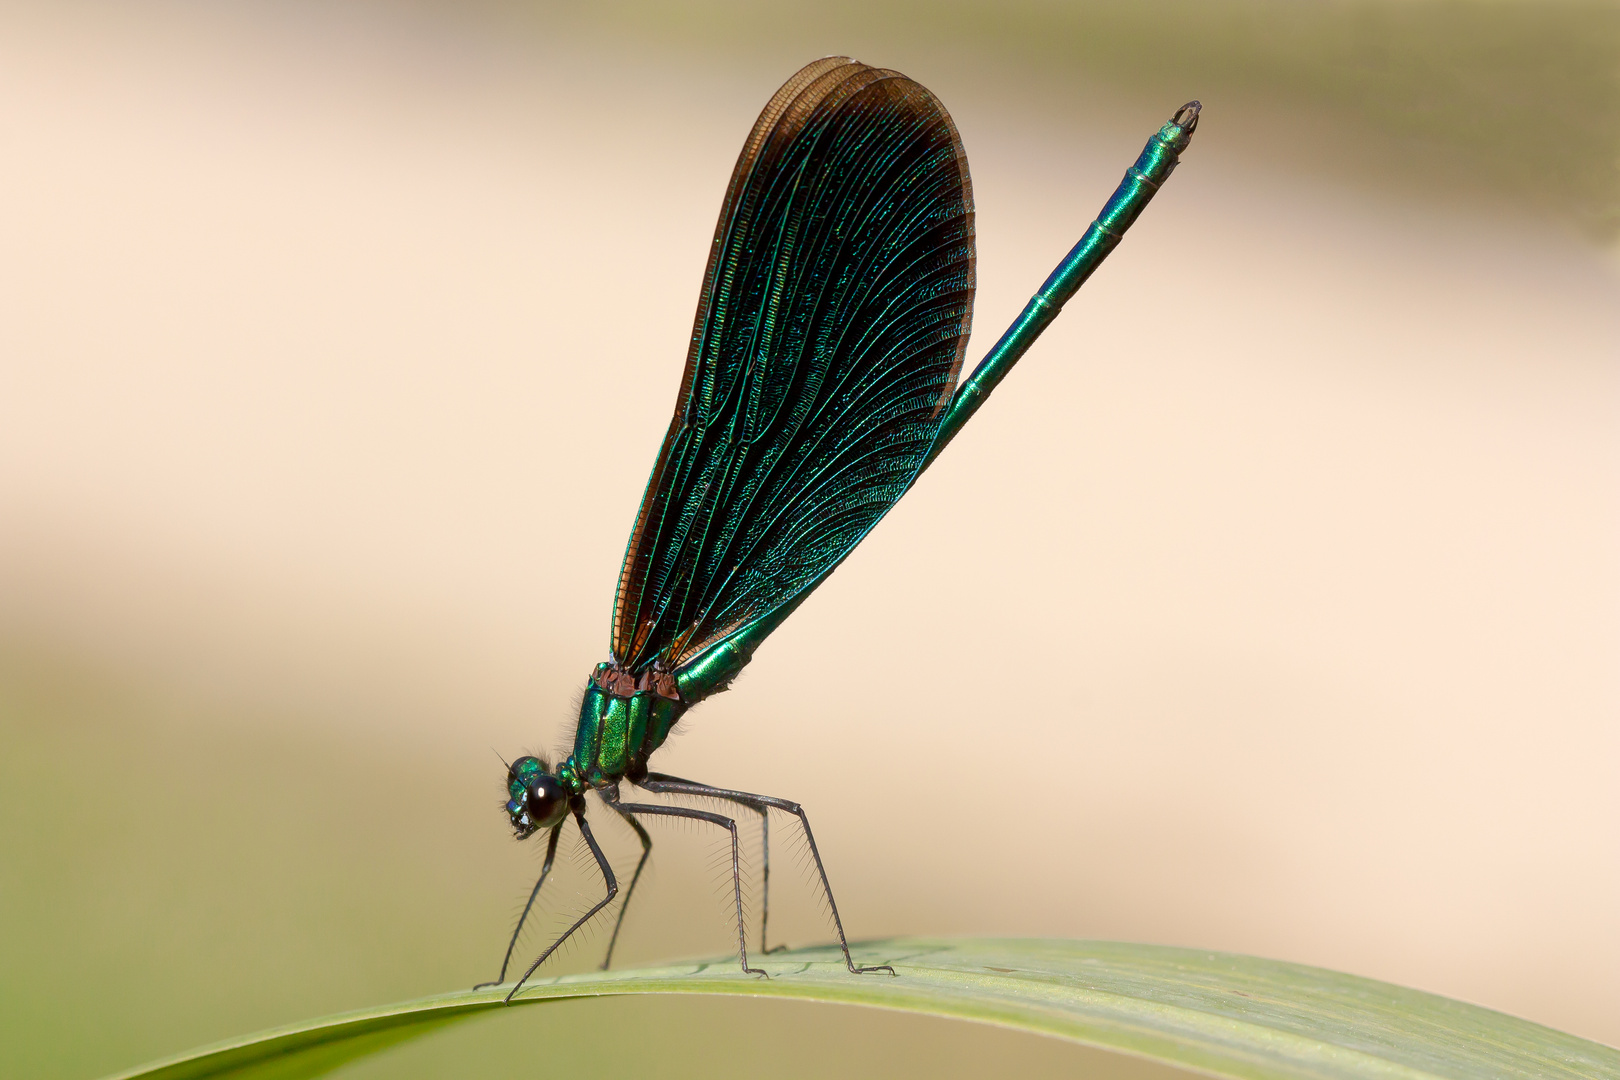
[[523, 773], [616, 733], [820, 382], [1142, 181], [829, 333], [714, 669]]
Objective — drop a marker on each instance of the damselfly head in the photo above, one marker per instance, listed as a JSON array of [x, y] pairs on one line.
[[535, 799]]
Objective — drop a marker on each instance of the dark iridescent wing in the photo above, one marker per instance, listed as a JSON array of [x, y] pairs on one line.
[[829, 333]]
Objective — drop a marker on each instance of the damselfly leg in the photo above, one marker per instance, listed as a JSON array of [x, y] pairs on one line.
[[545, 870], [608, 879], [736, 860], [764, 812], [610, 796], [664, 784], [765, 880]]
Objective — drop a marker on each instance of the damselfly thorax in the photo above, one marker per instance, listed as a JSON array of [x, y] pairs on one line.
[[623, 718]]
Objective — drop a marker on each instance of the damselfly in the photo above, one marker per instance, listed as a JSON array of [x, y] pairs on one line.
[[821, 381]]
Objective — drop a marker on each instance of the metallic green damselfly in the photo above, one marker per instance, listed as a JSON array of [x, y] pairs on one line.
[[820, 383]]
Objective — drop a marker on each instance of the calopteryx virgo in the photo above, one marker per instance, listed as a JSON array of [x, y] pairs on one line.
[[820, 382]]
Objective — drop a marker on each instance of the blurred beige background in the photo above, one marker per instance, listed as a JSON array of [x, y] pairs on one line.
[[335, 343]]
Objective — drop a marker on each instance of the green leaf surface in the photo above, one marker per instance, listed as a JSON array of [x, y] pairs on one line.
[[1217, 1013]]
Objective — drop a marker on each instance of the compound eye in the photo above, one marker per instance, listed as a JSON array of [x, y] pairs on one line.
[[547, 801]]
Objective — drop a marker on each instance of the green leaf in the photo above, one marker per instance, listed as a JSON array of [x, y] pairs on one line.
[[1217, 1013]]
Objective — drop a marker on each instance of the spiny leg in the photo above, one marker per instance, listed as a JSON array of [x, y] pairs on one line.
[[736, 861], [545, 868], [612, 891], [674, 785], [610, 796], [764, 812], [765, 879]]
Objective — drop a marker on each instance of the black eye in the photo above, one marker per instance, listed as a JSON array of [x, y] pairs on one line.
[[547, 801]]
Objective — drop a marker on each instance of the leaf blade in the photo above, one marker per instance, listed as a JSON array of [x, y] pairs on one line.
[[1217, 1013]]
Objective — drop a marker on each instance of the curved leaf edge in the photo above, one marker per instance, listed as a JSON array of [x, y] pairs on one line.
[[1221, 1014]]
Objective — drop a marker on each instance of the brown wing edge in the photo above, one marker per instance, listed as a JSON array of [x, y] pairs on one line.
[[966, 329], [632, 574], [783, 115]]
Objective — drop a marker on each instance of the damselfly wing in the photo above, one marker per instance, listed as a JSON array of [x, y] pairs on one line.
[[830, 330]]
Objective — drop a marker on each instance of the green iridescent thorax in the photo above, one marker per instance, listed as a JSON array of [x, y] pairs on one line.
[[622, 720]]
